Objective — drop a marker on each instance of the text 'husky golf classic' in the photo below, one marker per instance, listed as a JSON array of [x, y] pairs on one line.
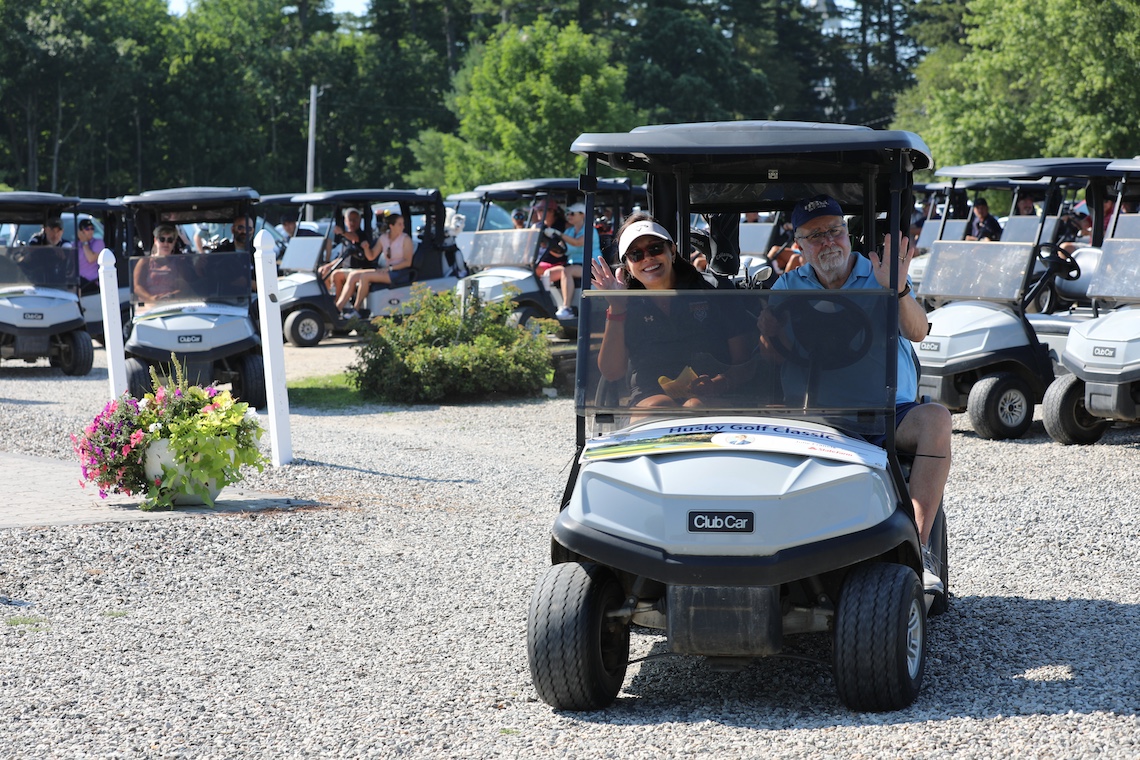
[[758, 510]]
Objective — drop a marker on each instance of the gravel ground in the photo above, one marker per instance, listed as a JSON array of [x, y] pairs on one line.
[[391, 621]]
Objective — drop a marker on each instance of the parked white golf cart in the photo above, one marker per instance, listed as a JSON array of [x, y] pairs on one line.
[[763, 514], [502, 261], [200, 312], [983, 354], [308, 308], [1102, 353], [40, 314]]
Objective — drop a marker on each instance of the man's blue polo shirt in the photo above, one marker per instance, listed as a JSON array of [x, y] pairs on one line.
[[862, 277]]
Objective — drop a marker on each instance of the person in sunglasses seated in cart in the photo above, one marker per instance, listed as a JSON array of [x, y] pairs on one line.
[[923, 429], [678, 350]]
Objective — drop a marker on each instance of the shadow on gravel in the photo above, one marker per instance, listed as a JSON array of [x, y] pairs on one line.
[[988, 657], [380, 473]]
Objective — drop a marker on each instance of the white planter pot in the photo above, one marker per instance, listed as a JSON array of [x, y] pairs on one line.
[[158, 454]]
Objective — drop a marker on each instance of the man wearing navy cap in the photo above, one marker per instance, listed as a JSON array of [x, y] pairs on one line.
[[923, 429]]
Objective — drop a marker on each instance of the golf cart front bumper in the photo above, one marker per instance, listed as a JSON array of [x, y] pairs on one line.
[[784, 566]]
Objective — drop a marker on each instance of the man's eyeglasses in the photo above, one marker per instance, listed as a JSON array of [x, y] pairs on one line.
[[637, 254], [817, 238], [164, 239]]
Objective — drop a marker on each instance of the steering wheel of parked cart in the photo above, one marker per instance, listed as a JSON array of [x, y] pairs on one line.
[[1065, 267], [827, 332]]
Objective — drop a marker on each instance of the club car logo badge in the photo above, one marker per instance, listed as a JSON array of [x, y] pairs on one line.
[[189, 338], [34, 316], [929, 345], [721, 522], [1104, 352]]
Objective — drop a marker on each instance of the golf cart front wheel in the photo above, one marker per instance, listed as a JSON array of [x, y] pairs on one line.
[[138, 378], [250, 385], [1066, 419], [578, 654], [304, 327], [880, 638], [1000, 406], [77, 353]]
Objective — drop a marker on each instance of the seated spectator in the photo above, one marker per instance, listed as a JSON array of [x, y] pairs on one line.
[[518, 217], [154, 278], [983, 225], [574, 236], [658, 342], [356, 252], [51, 234], [394, 253], [239, 239], [88, 248], [1025, 206]]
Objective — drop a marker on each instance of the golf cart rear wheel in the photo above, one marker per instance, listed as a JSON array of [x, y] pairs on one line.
[[578, 655], [522, 316], [1000, 406], [250, 385], [77, 353], [880, 638], [304, 327], [1066, 419], [138, 378]]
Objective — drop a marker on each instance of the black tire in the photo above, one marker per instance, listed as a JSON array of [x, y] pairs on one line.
[[77, 353], [577, 655], [1066, 419], [1000, 406], [940, 543], [880, 638], [521, 316], [138, 378], [304, 327], [250, 385]]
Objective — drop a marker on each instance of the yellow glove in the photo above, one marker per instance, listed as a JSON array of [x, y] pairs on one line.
[[679, 388]]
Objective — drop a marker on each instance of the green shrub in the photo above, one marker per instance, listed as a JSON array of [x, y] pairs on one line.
[[433, 353]]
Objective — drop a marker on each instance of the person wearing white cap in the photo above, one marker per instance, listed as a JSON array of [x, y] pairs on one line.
[[574, 236], [664, 339], [355, 252]]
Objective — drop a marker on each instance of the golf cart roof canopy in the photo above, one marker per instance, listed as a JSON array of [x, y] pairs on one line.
[[193, 197], [1032, 168], [33, 208], [98, 205], [548, 185], [782, 147], [279, 199], [1125, 165], [421, 195]]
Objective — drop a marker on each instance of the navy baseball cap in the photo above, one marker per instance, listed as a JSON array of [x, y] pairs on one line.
[[813, 208]]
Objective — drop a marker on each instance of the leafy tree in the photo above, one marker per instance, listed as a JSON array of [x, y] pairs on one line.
[[529, 93], [1018, 90]]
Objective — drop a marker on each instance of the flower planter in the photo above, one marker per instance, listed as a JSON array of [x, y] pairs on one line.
[[158, 454]]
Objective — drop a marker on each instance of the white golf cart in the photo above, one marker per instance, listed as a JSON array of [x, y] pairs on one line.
[[732, 527], [40, 315]]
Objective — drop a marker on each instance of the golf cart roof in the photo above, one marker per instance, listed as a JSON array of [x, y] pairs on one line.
[[783, 146], [1124, 165], [1032, 168], [32, 207], [194, 197], [541, 185], [376, 195], [279, 199], [98, 205]]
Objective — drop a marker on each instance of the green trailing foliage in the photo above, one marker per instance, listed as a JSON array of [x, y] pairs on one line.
[[440, 351]]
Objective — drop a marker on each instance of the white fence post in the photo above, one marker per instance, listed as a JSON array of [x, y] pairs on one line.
[[272, 347], [112, 323]]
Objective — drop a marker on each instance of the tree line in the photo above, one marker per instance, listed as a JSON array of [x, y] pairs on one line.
[[106, 97]]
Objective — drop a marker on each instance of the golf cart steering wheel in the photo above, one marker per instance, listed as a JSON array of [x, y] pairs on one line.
[[829, 332], [1065, 267]]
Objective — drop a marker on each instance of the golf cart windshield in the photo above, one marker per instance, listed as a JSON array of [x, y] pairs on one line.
[[1118, 279], [39, 266], [810, 355], [982, 270], [193, 277]]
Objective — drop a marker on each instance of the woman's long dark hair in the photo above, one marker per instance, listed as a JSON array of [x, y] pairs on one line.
[[681, 266]]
